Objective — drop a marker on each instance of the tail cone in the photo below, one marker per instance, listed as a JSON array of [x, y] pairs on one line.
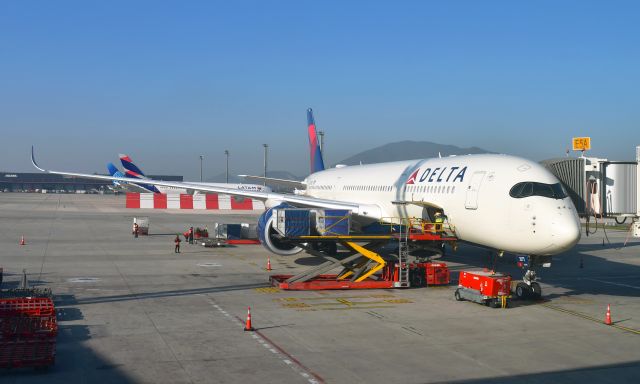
[[247, 326], [607, 317]]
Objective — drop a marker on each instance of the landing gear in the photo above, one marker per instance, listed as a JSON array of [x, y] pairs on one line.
[[529, 288]]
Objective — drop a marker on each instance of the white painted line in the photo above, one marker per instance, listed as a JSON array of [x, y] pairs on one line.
[[273, 350], [83, 280], [612, 283], [288, 362], [209, 265]]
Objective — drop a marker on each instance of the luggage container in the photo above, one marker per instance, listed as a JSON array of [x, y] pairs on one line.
[[424, 274], [293, 222], [483, 287], [143, 225], [333, 222]]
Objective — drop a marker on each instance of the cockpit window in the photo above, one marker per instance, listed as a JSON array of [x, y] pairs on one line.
[[530, 188]]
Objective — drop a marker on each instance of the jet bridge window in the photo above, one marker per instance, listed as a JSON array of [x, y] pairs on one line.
[[530, 188]]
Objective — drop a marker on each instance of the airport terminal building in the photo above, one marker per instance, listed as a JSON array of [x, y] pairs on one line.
[[50, 183]]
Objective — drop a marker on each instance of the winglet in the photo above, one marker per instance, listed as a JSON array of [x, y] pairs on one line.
[[33, 161]]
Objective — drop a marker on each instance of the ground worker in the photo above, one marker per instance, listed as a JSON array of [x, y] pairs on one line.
[[438, 220], [136, 229], [191, 235], [177, 242]]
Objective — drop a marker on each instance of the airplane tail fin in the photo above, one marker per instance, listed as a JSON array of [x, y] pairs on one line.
[[132, 171], [317, 164], [113, 171]]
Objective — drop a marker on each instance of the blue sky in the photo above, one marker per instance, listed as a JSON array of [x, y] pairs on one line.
[[168, 81]]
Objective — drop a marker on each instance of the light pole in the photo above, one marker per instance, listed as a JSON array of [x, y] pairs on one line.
[[226, 152], [201, 158], [265, 163], [321, 134]]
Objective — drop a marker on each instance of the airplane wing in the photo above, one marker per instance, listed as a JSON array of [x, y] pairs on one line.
[[365, 210], [274, 181]]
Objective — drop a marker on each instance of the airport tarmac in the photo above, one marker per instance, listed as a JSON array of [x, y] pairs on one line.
[[133, 311]]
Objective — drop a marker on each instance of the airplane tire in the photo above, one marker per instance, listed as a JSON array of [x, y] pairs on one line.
[[536, 291], [522, 291]]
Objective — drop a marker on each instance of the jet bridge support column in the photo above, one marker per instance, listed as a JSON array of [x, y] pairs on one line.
[[636, 223]]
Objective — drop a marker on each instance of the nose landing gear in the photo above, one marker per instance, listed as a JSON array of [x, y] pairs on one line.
[[529, 287]]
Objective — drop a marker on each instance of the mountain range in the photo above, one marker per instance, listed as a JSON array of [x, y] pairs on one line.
[[401, 150]]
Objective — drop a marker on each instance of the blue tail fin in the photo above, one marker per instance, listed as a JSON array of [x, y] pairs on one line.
[[132, 171], [113, 171], [317, 164]]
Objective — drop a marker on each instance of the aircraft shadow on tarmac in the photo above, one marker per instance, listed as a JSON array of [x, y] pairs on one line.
[[159, 294], [615, 373], [577, 271], [75, 362]]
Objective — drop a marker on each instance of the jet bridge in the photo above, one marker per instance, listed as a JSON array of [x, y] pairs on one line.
[[364, 265], [602, 188]]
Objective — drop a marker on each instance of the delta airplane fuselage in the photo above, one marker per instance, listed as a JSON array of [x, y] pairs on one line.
[[497, 201]]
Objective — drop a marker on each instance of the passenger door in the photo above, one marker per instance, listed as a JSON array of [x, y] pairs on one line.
[[471, 201]]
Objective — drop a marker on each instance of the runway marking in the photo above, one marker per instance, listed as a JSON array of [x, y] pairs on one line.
[[333, 303], [587, 317], [268, 290], [209, 265], [269, 345], [612, 283], [83, 280]]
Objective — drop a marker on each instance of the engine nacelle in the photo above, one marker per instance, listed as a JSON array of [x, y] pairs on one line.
[[270, 238]]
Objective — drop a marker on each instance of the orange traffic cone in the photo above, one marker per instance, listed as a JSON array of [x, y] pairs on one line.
[[22, 242], [247, 326], [607, 317], [268, 263]]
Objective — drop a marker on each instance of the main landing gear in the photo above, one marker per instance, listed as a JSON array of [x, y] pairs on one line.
[[529, 287]]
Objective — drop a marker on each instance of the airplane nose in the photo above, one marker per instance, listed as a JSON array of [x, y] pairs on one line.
[[567, 233]]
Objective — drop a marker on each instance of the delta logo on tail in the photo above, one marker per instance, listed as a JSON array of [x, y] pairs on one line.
[[132, 171], [317, 164]]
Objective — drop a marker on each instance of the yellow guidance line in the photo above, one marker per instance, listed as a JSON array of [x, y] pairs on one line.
[[587, 317]]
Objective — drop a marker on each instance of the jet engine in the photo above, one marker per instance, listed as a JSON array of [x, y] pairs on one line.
[[270, 238]]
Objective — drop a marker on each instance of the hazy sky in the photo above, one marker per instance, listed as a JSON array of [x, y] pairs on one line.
[[166, 81]]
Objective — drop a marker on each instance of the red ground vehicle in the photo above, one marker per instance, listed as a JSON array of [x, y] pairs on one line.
[[489, 288]]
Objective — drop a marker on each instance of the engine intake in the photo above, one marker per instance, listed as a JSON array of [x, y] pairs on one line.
[[270, 239]]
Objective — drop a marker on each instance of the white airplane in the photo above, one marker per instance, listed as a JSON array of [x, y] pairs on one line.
[[504, 203]]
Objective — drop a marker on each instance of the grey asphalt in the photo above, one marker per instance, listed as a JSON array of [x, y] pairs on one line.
[[132, 311]]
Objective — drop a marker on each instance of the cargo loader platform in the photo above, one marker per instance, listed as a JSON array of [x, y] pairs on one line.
[[362, 266]]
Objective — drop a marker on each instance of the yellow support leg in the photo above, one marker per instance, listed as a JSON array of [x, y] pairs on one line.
[[370, 255]]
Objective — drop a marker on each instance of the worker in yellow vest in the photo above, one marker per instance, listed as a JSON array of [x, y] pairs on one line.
[[438, 220]]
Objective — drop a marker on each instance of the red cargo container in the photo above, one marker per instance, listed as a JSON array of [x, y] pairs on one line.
[[422, 274]]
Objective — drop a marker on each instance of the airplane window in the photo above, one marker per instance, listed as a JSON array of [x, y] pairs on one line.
[[526, 189], [453, 189]]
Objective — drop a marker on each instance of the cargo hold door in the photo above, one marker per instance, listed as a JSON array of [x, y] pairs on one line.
[[471, 201]]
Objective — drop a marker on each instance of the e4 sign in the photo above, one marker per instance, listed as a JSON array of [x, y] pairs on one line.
[[581, 143]]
